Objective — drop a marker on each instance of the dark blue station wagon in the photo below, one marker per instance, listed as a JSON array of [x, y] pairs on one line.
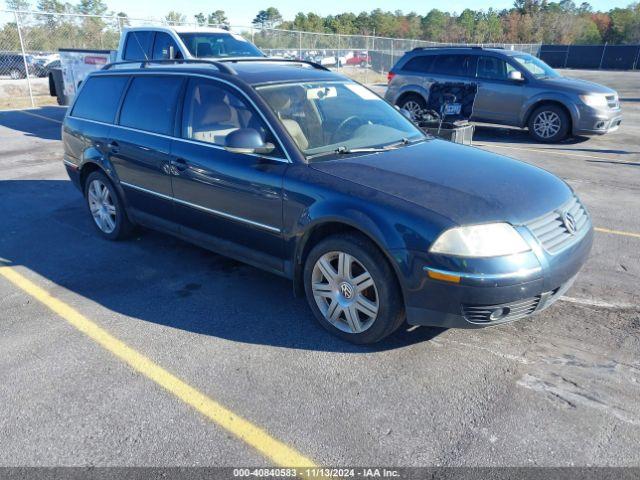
[[305, 173]]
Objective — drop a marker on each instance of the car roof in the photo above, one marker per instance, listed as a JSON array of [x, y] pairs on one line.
[[177, 29], [253, 71], [441, 50]]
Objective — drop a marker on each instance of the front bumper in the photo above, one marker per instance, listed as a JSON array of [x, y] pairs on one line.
[[592, 121], [532, 282]]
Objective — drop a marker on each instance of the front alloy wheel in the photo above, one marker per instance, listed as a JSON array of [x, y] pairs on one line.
[[549, 124], [345, 292], [352, 289]]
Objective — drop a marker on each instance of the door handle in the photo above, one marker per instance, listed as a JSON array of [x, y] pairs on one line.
[[114, 147], [180, 164]]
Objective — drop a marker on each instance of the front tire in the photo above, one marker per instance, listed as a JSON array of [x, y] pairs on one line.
[[415, 104], [352, 289], [106, 208], [549, 124]]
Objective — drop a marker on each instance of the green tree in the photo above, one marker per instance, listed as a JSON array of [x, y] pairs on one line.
[[200, 19], [219, 17], [18, 4], [434, 25], [269, 18], [173, 18]]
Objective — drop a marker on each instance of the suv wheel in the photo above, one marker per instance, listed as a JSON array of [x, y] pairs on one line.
[[16, 74], [414, 104], [106, 208], [549, 124], [351, 289]]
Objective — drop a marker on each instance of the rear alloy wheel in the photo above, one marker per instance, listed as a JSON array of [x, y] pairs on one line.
[[16, 74], [414, 104], [549, 124], [351, 289], [105, 207]]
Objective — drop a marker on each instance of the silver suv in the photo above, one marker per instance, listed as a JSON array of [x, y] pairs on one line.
[[514, 88]]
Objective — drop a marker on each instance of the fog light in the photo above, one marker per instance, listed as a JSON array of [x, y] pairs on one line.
[[599, 125], [499, 313]]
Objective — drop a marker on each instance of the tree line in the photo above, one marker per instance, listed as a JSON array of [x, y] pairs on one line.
[[528, 21]]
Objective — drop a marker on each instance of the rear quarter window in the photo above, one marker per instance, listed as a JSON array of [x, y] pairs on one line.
[[99, 98], [421, 64], [150, 103], [459, 65]]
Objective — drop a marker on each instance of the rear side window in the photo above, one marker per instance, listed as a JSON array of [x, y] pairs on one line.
[[150, 104], [99, 98], [162, 46], [452, 65], [419, 64], [138, 46]]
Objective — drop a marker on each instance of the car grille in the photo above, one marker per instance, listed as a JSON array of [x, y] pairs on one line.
[[612, 101], [551, 229], [501, 312]]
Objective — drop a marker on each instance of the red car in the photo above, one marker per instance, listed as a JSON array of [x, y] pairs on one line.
[[359, 58]]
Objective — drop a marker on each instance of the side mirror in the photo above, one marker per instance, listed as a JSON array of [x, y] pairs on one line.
[[246, 141], [516, 76]]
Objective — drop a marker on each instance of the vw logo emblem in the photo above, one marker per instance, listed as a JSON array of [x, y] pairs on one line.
[[346, 290], [569, 222]]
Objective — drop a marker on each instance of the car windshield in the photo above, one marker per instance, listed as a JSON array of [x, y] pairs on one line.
[[535, 66], [211, 45], [337, 117]]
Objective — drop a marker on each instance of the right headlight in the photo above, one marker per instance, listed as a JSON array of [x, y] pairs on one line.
[[595, 100], [488, 240]]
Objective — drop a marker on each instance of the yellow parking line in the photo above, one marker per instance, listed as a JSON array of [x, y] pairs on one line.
[[273, 449], [617, 232]]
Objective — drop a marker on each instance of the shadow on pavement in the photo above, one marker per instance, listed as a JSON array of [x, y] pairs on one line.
[[160, 279], [31, 123]]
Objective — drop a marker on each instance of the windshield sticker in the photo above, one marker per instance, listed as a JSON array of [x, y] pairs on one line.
[[362, 92]]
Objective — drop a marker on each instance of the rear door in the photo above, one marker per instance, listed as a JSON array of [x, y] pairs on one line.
[[140, 144], [227, 198], [499, 99]]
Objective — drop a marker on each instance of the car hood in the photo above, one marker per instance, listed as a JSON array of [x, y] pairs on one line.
[[467, 185], [576, 85]]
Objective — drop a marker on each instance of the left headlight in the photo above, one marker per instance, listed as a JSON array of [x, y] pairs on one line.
[[595, 100], [488, 240]]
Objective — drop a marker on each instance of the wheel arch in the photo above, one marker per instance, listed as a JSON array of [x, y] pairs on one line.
[[321, 229], [550, 101]]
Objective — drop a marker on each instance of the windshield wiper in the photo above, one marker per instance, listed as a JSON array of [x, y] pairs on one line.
[[347, 151]]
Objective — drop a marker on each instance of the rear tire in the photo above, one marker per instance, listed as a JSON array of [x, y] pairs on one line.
[[549, 124], [415, 104], [16, 74], [106, 208], [352, 290]]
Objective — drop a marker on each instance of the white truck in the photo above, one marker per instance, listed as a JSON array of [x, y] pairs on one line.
[[147, 43]]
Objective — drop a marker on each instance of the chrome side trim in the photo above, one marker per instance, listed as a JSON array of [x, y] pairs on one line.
[[71, 164], [204, 209], [487, 276], [188, 74]]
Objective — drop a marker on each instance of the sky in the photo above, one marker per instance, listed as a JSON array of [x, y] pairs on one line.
[[243, 11]]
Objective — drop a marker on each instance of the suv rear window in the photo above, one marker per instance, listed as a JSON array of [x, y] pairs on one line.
[[419, 64], [452, 65], [150, 103], [99, 98], [138, 46]]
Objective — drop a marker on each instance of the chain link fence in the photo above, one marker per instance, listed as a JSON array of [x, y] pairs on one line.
[[29, 42]]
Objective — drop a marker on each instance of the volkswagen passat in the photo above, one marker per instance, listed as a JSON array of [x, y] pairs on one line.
[[302, 172]]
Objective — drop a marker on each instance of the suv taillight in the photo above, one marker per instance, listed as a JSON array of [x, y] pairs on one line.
[[390, 76]]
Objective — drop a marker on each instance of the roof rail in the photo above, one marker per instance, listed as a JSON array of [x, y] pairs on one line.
[[475, 47], [270, 59], [145, 63]]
